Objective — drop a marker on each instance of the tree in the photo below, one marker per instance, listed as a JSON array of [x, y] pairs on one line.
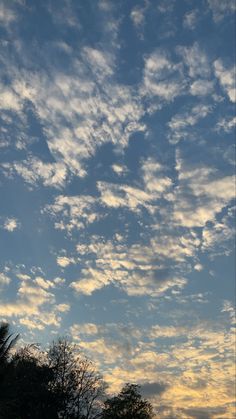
[[26, 392], [127, 405], [7, 341], [76, 385]]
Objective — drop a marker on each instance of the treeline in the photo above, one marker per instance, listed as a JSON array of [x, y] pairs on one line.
[[59, 383]]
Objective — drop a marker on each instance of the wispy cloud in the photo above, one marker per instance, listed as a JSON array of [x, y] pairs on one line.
[[221, 9], [226, 79]]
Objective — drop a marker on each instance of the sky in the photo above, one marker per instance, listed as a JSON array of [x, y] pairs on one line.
[[117, 187]]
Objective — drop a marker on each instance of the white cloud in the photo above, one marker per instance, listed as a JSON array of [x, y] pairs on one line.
[[64, 261], [4, 279], [201, 87], [179, 124], [23, 277], [155, 186], [198, 267], [201, 195], [89, 329], [196, 60], [34, 170], [96, 108], [7, 15], [226, 124], [226, 78], [101, 61], [133, 269], [221, 8], [138, 16], [63, 308], [113, 195], [215, 236], [11, 224], [154, 180], [190, 19], [162, 78], [165, 6], [43, 283], [73, 212], [119, 169], [34, 306], [9, 100]]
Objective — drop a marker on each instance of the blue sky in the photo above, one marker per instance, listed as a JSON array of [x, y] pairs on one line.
[[117, 190]]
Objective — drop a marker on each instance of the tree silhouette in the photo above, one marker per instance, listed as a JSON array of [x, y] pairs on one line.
[[26, 394], [59, 383], [75, 383], [127, 405], [7, 341]]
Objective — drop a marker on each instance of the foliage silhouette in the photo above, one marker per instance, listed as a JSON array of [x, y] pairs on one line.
[[7, 341], [77, 385], [26, 392], [127, 405], [59, 383]]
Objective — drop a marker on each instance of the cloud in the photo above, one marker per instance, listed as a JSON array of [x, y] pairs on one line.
[[155, 186], [132, 269], [34, 170], [226, 78], [64, 261], [229, 307], [9, 100], [97, 110], [204, 412], [7, 15], [181, 125], [88, 329], [11, 224], [221, 8], [162, 77], [201, 195], [155, 182], [137, 16], [63, 308], [101, 61], [190, 19], [4, 279], [119, 169], [195, 60], [152, 389], [115, 196], [34, 304], [217, 235], [201, 87], [226, 125], [198, 267], [78, 111], [201, 357], [165, 6], [73, 212]]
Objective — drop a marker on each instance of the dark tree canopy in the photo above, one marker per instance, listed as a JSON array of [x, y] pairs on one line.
[[128, 404], [77, 385], [7, 341], [59, 383]]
